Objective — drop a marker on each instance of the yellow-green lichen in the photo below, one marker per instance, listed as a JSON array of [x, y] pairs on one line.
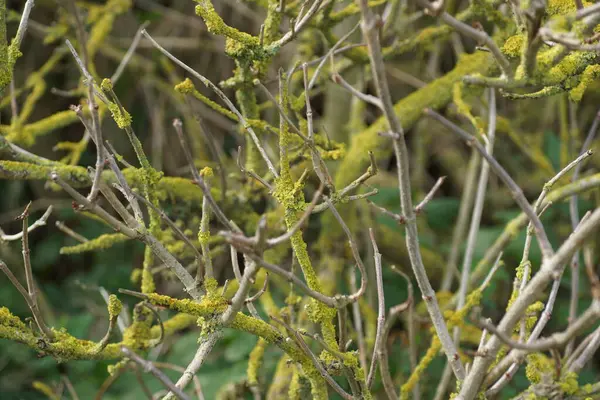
[[424, 362], [120, 115], [513, 46], [537, 366], [590, 74], [114, 306], [255, 361], [568, 383], [102, 242]]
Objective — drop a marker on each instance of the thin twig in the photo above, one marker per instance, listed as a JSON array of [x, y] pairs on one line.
[[551, 269], [96, 129], [177, 124], [148, 366], [223, 97], [421, 206], [190, 372], [477, 212], [40, 222], [515, 190], [379, 335], [129, 54], [70, 232], [574, 214], [371, 34], [317, 364], [557, 340]]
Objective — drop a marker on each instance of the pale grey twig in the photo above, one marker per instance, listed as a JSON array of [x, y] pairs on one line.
[[148, 366], [316, 362], [515, 190], [199, 180], [574, 214], [421, 206], [329, 54], [172, 225], [23, 23], [203, 351], [379, 335], [130, 51], [545, 316], [477, 212], [40, 222], [249, 172], [371, 34], [358, 325], [367, 98], [222, 96], [587, 353], [466, 203], [551, 269], [31, 289], [137, 232], [70, 232], [353, 246], [554, 341], [33, 307]]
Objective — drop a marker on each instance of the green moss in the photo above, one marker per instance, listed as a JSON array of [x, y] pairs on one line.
[[175, 324], [44, 126], [27, 171], [148, 285], [464, 108], [102, 242], [9, 320]]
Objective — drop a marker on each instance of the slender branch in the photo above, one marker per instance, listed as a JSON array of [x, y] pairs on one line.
[[70, 232], [148, 366], [574, 214], [40, 222], [557, 340], [371, 34], [421, 206], [315, 361], [129, 54], [379, 335], [96, 129], [222, 96], [550, 269], [190, 371], [515, 190], [466, 204], [477, 212], [177, 124]]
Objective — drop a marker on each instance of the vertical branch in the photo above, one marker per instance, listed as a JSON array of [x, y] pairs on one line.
[[380, 312], [477, 212], [370, 31], [574, 214]]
